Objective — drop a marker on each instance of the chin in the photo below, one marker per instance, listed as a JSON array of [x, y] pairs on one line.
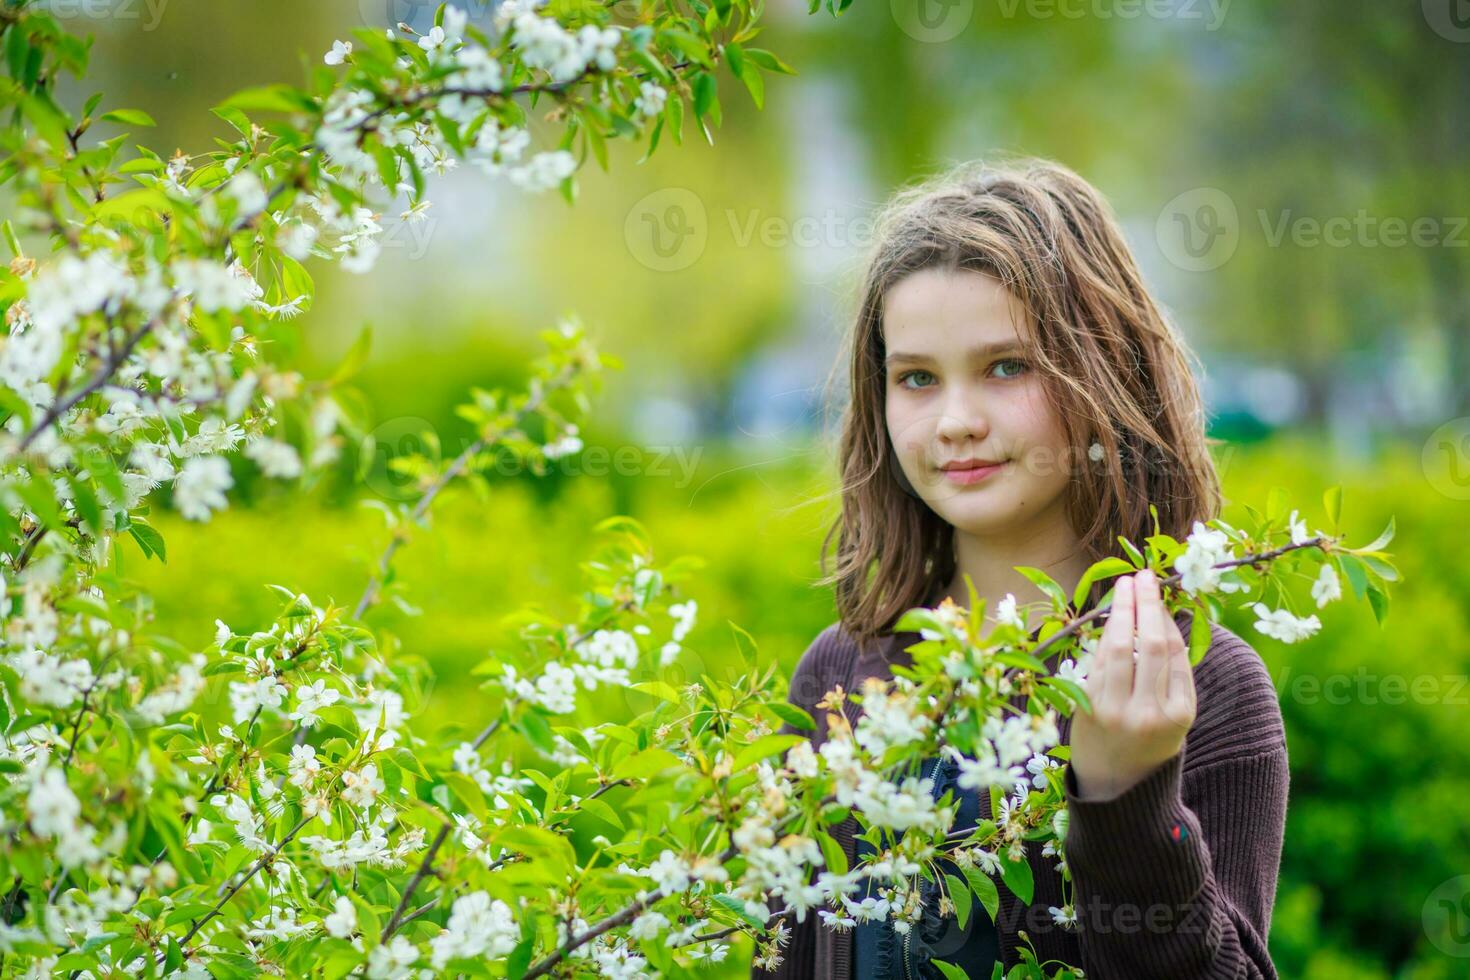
[[977, 519]]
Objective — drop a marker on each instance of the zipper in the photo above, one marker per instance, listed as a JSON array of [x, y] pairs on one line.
[[908, 936]]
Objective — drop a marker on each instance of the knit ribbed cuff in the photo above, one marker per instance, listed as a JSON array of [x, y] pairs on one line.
[[1143, 845]]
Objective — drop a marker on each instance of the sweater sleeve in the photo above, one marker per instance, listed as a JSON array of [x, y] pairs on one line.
[[1175, 878], [815, 673]]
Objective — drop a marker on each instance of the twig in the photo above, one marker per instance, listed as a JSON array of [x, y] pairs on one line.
[[453, 470], [544, 966], [425, 869], [98, 379], [254, 869]]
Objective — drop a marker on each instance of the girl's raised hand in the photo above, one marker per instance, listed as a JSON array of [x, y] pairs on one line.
[[1141, 711]]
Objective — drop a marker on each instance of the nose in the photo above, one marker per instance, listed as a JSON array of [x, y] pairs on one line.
[[962, 416]]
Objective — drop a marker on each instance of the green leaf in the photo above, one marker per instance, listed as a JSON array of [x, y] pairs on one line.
[[642, 765], [1071, 689], [748, 73], [142, 165], [1381, 540], [149, 540], [768, 61], [40, 496], [1385, 570], [129, 117], [767, 745], [959, 893], [737, 908], [367, 920], [1354, 572], [951, 971], [468, 791], [1046, 584], [693, 47], [1276, 503], [235, 118], [659, 690], [1107, 568], [537, 730], [597, 143], [1017, 876], [1199, 636], [1378, 599], [49, 120], [340, 963], [985, 890], [85, 502], [356, 357], [833, 853], [603, 812], [706, 100], [269, 98], [745, 643], [1016, 658], [792, 715], [1332, 501]]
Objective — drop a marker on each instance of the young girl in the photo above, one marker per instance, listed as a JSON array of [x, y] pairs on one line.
[[1018, 398]]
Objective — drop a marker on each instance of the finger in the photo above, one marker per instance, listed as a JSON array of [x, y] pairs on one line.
[[1150, 685], [1115, 649], [1180, 696]]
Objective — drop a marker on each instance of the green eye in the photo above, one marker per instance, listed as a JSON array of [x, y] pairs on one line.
[[903, 378], [1012, 360]]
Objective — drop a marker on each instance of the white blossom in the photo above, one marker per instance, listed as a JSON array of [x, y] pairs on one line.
[[1205, 548], [275, 458], [248, 192], [651, 99], [304, 765], [1006, 613], [544, 171], [361, 788], [683, 613], [1327, 586], [311, 698], [478, 928], [211, 285], [392, 961], [1283, 625]]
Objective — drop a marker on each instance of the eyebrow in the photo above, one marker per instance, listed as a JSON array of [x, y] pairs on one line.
[[978, 351]]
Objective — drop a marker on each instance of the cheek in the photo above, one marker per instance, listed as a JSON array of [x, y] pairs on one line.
[[908, 430], [1033, 418]]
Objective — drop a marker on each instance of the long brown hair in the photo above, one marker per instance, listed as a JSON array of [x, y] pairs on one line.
[[1110, 362]]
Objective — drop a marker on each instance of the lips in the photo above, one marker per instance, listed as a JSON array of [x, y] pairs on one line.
[[970, 464], [966, 473]]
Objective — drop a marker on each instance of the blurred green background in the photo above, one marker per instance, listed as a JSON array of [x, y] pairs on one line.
[[1293, 179]]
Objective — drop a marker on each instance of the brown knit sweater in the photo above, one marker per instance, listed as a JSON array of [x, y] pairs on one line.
[[1175, 879]]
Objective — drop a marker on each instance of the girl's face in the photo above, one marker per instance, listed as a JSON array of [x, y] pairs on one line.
[[961, 388]]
